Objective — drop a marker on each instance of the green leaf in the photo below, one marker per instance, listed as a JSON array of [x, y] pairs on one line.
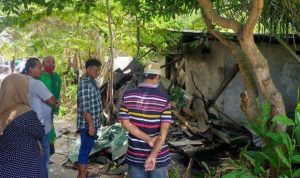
[[266, 108], [297, 134], [266, 156], [287, 142], [297, 114], [283, 158], [274, 136], [239, 174], [296, 158], [206, 167], [258, 167], [281, 119], [247, 155], [296, 173]]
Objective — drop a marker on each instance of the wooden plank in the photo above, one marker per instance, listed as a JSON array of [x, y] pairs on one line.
[[186, 142], [176, 60], [184, 122], [223, 136], [188, 171], [200, 115], [185, 130], [224, 84], [186, 110], [175, 75]]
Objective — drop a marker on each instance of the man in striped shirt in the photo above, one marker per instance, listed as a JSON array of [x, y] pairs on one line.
[[146, 114]]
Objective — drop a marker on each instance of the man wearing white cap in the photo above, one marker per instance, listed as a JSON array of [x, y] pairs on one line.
[[146, 114]]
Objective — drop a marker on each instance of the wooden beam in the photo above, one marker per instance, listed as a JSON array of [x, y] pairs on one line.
[[176, 60], [224, 84], [188, 171], [223, 136], [186, 142], [185, 109], [175, 75], [184, 122]]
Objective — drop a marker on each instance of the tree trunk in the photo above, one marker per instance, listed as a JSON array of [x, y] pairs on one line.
[[248, 104], [261, 70]]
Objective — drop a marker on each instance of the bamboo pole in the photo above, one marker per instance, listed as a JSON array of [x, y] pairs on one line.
[[111, 57]]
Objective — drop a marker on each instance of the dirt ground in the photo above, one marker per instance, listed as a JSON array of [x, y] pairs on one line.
[[56, 170]]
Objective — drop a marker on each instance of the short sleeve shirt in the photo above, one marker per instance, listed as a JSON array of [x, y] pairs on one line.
[[89, 101], [38, 93], [146, 108]]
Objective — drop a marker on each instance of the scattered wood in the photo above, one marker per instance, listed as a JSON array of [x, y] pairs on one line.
[[195, 131], [185, 109], [190, 150], [185, 130], [225, 83], [185, 142], [184, 121], [181, 78], [200, 115], [175, 75], [174, 61], [223, 136]]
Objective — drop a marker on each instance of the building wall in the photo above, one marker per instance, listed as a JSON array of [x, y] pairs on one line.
[[209, 71]]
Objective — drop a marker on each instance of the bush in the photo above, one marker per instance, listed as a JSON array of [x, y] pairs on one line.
[[278, 151]]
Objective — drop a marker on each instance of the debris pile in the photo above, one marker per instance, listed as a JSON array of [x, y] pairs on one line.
[[198, 124]]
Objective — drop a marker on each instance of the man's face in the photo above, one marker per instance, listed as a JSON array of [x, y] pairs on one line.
[[157, 79], [49, 62], [93, 71]]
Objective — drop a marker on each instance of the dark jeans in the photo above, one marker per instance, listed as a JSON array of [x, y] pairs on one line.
[[46, 153], [87, 143], [139, 172]]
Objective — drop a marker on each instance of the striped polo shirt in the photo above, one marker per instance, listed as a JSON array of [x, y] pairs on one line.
[[146, 107]]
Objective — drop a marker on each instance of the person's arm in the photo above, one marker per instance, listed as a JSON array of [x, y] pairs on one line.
[[32, 126], [135, 131], [50, 101], [84, 100], [58, 86], [166, 120], [132, 129], [89, 119], [58, 102], [43, 93], [151, 160]]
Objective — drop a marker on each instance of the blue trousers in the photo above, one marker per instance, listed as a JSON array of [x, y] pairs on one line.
[[139, 172], [46, 153], [87, 143]]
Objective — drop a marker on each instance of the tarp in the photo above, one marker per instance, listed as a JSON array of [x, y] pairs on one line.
[[113, 136]]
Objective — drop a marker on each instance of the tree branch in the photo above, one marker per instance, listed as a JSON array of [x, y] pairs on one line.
[[217, 19], [256, 10]]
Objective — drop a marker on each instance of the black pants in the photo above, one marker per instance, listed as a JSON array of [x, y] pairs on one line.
[[52, 149]]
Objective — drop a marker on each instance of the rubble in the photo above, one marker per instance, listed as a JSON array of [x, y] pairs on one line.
[[196, 129]]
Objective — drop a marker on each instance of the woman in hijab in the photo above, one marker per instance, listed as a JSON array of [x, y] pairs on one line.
[[20, 131]]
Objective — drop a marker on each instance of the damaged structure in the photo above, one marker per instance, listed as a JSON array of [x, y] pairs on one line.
[[204, 84]]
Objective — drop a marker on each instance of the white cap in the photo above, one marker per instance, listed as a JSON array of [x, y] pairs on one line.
[[152, 68]]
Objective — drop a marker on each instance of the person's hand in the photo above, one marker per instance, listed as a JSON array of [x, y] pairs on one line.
[[152, 141], [91, 130], [150, 162], [57, 103]]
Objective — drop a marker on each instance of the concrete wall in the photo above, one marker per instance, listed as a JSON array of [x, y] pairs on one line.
[[209, 71]]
